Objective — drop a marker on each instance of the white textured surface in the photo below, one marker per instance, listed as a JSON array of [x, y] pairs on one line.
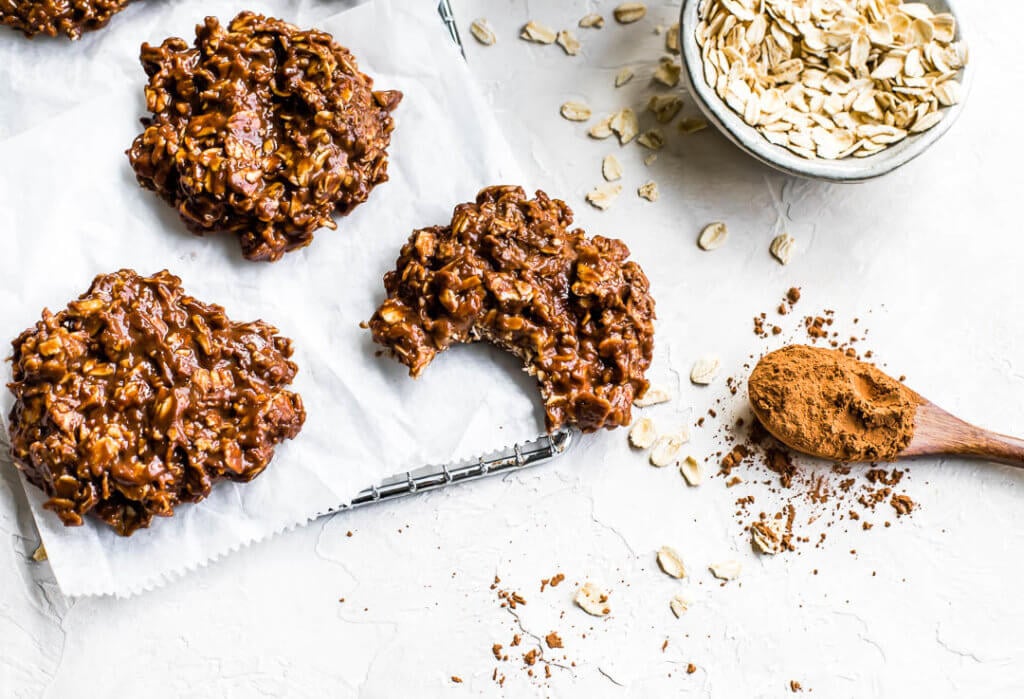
[[365, 419], [932, 252]]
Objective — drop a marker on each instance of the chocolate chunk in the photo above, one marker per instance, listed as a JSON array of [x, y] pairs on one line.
[[508, 270]]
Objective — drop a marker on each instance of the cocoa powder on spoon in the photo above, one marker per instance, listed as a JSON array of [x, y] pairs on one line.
[[825, 403]]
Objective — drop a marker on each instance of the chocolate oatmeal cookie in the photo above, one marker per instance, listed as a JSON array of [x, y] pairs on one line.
[[509, 271], [261, 129], [53, 17], [138, 397]]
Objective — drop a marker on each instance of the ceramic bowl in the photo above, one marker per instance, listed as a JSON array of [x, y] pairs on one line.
[[752, 142]]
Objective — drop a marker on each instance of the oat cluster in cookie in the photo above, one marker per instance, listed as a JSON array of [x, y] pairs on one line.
[[53, 17], [138, 397], [509, 270], [262, 130]]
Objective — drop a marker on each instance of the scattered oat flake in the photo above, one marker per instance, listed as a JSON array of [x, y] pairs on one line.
[[592, 21], [481, 30], [690, 469], [568, 41], [601, 129], [667, 73], [603, 195], [704, 370], [537, 33], [648, 191], [766, 537], [625, 124], [692, 125], [39, 555], [782, 248], [575, 111], [713, 236], [629, 12], [623, 77], [652, 139], [726, 570], [666, 448], [664, 107], [680, 604], [672, 39], [611, 169], [650, 159], [592, 599], [643, 433], [654, 396], [670, 562]]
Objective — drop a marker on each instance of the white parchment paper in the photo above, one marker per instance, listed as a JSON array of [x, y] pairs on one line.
[[70, 209]]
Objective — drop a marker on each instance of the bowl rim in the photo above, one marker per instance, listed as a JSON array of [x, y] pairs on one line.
[[752, 142]]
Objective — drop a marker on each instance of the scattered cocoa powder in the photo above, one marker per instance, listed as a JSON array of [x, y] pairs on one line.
[[733, 459], [511, 599], [902, 504], [825, 403], [781, 463], [759, 325]]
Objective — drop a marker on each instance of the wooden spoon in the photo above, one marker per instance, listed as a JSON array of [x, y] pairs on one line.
[[936, 431]]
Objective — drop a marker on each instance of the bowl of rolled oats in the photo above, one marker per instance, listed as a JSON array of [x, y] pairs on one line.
[[836, 90]]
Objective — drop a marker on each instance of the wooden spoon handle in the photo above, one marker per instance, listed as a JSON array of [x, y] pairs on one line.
[[995, 447], [938, 432]]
